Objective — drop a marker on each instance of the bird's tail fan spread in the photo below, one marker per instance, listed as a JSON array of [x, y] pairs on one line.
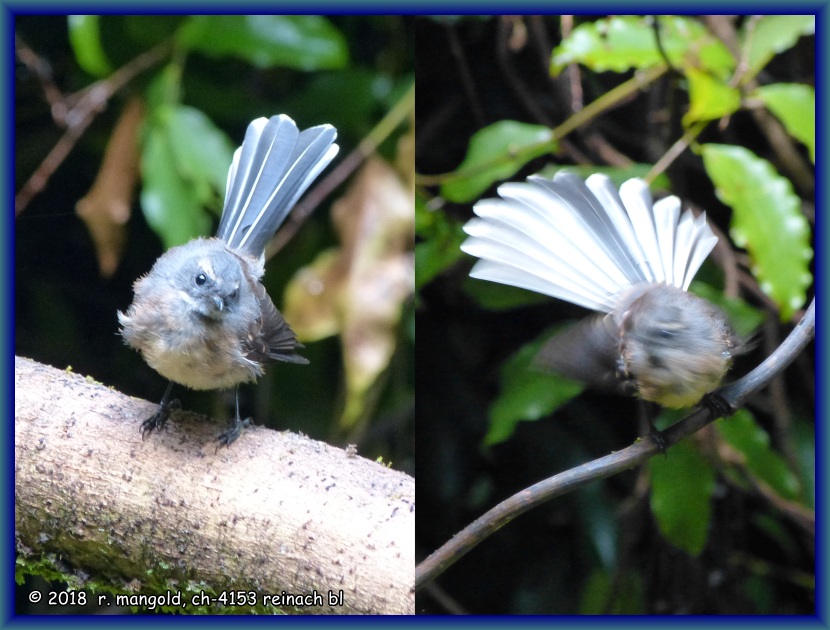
[[583, 242], [274, 166]]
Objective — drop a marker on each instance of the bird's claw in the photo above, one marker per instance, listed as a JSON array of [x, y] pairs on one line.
[[157, 421], [228, 437]]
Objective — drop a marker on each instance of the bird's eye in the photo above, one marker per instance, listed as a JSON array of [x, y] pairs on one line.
[[201, 279]]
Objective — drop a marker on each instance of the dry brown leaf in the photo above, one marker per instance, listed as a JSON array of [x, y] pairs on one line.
[[358, 289], [405, 157], [106, 207]]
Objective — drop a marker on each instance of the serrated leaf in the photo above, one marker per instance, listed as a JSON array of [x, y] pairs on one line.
[[304, 42], [773, 34], [526, 393], [682, 484], [170, 205], [795, 106], [709, 97], [85, 37], [744, 435], [496, 153], [623, 43], [767, 221]]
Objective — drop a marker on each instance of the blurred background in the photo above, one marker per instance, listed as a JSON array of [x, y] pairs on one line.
[[719, 110], [125, 128]]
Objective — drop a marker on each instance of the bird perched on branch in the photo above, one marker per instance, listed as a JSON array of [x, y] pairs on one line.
[[627, 258], [201, 317]]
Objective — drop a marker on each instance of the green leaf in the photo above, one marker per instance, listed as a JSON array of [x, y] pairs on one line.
[[165, 88], [804, 438], [622, 43], [495, 153], [439, 244], [682, 483], [185, 163], [170, 204], [85, 37], [776, 532], [795, 106], [149, 30], [618, 174], [709, 97], [526, 393], [303, 42], [767, 221], [624, 592], [773, 34], [598, 514], [359, 93], [744, 435], [202, 151], [494, 296]]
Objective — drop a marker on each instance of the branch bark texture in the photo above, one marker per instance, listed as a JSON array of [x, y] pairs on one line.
[[275, 513]]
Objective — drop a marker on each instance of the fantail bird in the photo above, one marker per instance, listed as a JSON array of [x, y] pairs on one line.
[[619, 254], [201, 317]]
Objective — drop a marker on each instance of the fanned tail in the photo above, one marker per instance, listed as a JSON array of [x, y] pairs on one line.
[[583, 242], [274, 166]]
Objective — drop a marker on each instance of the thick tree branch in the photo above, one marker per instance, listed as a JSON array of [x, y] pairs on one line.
[[274, 512], [733, 395]]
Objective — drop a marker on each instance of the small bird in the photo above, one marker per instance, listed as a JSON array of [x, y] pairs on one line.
[[201, 317], [627, 258]]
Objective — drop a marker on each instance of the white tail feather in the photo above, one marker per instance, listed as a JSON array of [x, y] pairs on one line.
[[583, 242], [274, 166]]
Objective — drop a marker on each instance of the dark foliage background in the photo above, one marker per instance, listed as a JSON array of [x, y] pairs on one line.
[[65, 313], [347, 71], [598, 550]]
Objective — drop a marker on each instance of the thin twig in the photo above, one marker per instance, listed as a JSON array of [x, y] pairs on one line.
[[734, 395], [343, 170], [789, 158], [511, 77], [92, 101], [43, 71], [574, 73], [607, 101], [658, 39], [457, 52], [676, 150]]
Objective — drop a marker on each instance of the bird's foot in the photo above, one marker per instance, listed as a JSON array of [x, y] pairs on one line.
[[717, 404], [157, 420], [658, 438], [226, 438]]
